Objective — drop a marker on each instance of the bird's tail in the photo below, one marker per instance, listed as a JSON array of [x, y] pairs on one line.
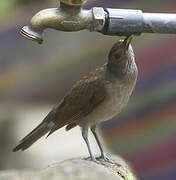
[[33, 136]]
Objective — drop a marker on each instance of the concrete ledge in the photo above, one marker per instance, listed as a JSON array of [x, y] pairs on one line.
[[76, 169]]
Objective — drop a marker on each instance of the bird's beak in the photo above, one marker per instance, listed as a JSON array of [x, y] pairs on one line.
[[127, 42]]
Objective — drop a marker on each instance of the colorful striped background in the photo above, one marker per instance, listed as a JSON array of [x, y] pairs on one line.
[[145, 132]]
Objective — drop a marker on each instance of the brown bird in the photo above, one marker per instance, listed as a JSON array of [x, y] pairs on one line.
[[97, 97]]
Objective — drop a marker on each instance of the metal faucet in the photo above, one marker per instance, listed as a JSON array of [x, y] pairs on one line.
[[119, 22], [68, 17]]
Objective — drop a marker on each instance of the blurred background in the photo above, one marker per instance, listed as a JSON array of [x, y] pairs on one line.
[[33, 78]]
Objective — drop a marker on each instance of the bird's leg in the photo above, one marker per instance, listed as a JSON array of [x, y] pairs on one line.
[[85, 137], [103, 155]]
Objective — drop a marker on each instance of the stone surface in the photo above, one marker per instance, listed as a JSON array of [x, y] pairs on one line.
[[75, 169]]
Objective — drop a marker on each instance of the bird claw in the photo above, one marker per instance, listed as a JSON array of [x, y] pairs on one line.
[[97, 162], [93, 160], [101, 158], [105, 158]]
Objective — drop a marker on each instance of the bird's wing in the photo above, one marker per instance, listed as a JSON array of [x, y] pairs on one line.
[[84, 96]]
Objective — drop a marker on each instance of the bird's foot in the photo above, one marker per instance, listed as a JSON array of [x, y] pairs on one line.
[[105, 158], [93, 160]]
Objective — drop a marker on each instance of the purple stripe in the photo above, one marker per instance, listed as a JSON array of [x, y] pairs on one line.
[[10, 36], [152, 81], [163, 174]]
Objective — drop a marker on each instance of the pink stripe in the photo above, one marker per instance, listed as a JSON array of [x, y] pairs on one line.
[[154, 57], [155, 157]]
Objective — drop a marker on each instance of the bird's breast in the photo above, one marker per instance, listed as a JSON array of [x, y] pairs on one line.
[[117, 96]]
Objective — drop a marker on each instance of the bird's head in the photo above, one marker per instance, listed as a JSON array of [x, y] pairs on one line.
[[120, 49], [121, 57]]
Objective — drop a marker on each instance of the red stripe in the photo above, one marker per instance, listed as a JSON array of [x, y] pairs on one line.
[[155, 157]]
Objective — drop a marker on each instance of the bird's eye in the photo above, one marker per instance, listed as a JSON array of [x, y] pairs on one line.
[[117, 56]]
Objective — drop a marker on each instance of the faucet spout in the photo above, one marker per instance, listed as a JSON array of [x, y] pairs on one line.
[[64, 18], [28, 32]]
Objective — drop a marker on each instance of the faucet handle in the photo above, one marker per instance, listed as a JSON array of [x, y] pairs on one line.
[[74, 2]]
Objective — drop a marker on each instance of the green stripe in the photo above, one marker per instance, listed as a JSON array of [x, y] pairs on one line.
[[144, 138]]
